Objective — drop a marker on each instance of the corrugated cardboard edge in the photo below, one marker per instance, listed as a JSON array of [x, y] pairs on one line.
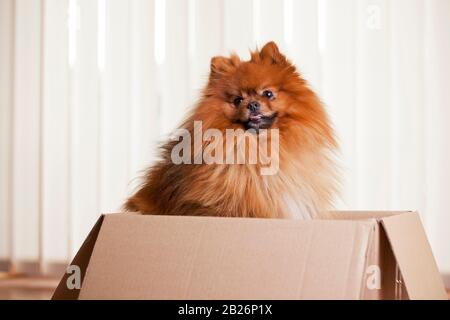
[[81, 259], [414, 257], [370, 254]]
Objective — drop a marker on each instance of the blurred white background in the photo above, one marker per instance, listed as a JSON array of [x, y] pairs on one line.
[[88, 87]]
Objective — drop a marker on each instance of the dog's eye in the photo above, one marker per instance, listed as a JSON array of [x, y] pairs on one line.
[[237, 101], [268, 94]]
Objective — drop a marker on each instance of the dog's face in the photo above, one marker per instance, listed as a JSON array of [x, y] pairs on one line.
[[255, 94]]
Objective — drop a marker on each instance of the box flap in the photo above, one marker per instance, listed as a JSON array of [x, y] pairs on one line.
[[81, 260], [170, 257], [361, 215], [414, 256]]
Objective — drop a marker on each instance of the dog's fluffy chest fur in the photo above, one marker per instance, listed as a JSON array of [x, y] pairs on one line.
[[300, 189]]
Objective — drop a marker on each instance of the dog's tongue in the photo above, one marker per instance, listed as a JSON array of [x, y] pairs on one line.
[[255, 117]]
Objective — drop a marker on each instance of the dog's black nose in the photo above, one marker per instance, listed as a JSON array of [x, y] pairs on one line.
[[253, 106]]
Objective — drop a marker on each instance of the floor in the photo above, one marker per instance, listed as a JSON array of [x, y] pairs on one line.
[[29, 288], [26, 288]]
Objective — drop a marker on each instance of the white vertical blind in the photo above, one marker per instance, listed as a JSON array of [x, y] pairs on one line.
[[26, 132], [85, 120], [91, 86], [407, 104], [437, 116], [55, 133], [270, 10], [304, 48], [115, 106], [174, 69], [338, 64], [206, 40], [239, 26], [373, 105], [144, 122], [6, 60]]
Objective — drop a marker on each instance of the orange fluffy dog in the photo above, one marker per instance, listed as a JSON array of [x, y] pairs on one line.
[[259, 95]]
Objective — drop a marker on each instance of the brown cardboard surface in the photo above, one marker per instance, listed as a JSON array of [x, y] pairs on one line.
[[162, 257], [129, 256], [414, 256]]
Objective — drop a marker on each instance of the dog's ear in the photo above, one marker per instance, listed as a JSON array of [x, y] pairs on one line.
[[219, 65], [270, 53], [223, 65]]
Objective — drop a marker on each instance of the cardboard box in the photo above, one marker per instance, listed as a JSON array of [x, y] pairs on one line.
[[359, 255]]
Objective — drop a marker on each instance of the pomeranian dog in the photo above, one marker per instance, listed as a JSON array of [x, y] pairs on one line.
[[266, 97]]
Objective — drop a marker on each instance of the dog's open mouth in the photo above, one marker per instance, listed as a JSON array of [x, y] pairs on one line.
[[260, 121]]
